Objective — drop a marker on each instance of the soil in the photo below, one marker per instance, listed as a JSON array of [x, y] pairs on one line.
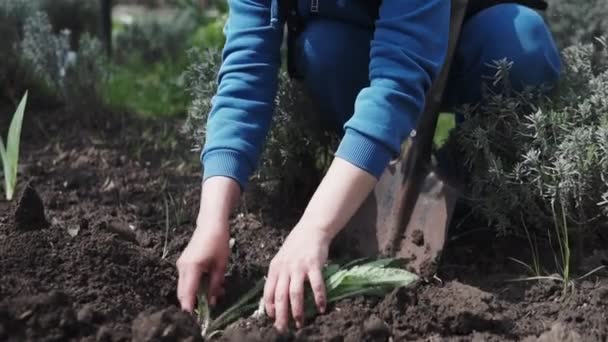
[[85, 254]]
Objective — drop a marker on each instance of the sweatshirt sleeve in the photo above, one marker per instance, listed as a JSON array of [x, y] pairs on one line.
[[242, 108], [407, 52]]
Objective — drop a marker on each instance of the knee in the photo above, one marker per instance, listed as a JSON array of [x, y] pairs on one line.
[[520, 35]]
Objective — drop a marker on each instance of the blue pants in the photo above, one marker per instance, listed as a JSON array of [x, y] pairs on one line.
[[333, 57]]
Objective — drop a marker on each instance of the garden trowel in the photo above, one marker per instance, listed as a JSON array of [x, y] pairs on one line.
[[408, 213]]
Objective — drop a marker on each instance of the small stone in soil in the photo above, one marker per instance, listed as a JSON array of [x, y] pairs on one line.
[[375, 327], [29, 214], [88, 315]]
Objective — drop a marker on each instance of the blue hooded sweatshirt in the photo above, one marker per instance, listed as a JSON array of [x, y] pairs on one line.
[[407, 51]]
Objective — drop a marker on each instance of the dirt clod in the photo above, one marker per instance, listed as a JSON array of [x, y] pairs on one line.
[[88, 315], [558, 333], [40, 317], [418, 237], [169, 324], [29, 214]]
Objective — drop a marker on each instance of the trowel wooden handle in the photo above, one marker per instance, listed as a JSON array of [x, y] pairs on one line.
[[425, 131]]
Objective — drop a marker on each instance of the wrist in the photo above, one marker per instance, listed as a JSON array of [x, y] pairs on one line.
[[340, 194], [322, 231], [215, 225], [219, 196], [205, 229]]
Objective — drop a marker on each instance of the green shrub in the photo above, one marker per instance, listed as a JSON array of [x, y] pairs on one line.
[[576, 22], [155, 39], [13, 14], [80, 17], [147, 89], [210, 35], [50, 59], [74, 76], [532, 161]]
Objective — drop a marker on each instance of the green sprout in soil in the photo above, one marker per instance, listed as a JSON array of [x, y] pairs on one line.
[[562, 256], [10, 152], [358, 278]]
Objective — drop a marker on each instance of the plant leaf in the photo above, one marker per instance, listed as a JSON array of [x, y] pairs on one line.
[[334, 280], [354, 292], [366, 275], [5, 168], [203, 313], [239, 308], [330, 270], [385, 262], [355, 262], [10, 157]]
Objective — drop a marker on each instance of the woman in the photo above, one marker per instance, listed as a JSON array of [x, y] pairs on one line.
[[368, 66]]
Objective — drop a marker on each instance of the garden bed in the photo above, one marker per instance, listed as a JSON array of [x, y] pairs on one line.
[[100, 265]]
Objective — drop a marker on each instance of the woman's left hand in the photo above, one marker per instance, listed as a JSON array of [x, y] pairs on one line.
[[304, 252], [301, 258]]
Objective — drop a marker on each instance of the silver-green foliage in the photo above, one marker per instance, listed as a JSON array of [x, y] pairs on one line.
[[543, 162], [578, 21], [154, 39], [13, 14], [73, 75], [36, 52]]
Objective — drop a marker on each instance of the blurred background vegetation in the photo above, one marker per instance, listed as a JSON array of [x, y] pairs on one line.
[[150, 44], [163, 63], [51, 46]]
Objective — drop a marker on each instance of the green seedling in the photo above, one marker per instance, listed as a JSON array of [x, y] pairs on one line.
[[534, 268], [358, 278], [10, 152], [562, 256], [203, 312], [246, 304], [165, 246]]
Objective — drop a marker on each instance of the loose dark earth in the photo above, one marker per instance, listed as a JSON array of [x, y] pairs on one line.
[[84, 255]]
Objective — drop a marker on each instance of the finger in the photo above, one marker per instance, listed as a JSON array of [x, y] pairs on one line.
[[215, 284], [187, 286], [269, 287], [281, 302], [318, 289], [296, 294]]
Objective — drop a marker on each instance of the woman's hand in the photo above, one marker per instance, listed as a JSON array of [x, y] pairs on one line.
[[300, 259], [304, 252], [206, 255], [208, 250]]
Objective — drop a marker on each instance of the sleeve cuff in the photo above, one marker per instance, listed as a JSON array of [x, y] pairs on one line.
[[365, 153], [227, 164]]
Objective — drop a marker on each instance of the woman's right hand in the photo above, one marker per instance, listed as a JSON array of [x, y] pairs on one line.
[[205, 256], [208, 251]]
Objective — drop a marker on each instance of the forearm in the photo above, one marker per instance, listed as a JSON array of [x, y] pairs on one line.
[[340, 194], [219, 196]]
